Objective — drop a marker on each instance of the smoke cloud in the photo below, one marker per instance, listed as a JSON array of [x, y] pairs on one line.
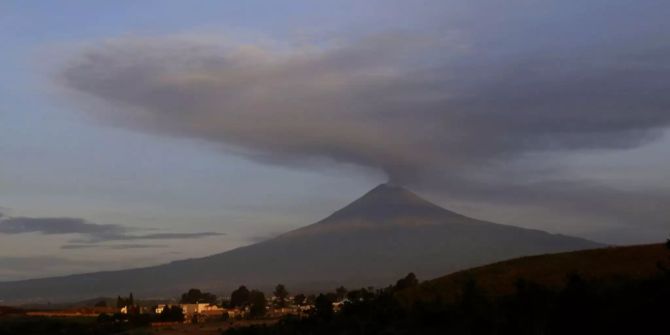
[[452, 110]]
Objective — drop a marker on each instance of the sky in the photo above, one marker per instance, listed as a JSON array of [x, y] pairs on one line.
[[134, 133]]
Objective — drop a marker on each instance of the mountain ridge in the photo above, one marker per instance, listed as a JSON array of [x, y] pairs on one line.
[[384, 234], [388, 199]]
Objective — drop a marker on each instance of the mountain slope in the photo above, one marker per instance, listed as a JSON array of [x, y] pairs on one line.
[[603, 264], [374, 240]]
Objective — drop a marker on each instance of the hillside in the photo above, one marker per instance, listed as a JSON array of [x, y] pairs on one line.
[[378, 238], [601, 291], [631, 262]]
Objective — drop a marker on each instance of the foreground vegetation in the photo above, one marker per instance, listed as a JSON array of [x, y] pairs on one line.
[[599, 301], [39, 325], [630, 262]]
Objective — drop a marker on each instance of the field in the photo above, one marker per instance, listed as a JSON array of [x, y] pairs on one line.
[[209, 328], [29, 325]]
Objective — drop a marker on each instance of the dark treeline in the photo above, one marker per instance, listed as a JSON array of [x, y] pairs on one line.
[[613, 306], [194, 296], [254, 300]]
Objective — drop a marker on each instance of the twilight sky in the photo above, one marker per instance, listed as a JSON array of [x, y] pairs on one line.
[[134, 133]]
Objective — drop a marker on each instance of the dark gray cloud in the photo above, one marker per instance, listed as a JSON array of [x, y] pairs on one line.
[[442, 109], [168, 236], [90, 232], [93, 238], [113, 246], [50, 226]]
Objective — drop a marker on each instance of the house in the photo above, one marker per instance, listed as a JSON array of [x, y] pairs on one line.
[[190, 309], [159, 309], [130, 309], [201, 311], [237, 313], [337, 305]]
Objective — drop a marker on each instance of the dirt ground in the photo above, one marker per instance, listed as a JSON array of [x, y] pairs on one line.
[[209, 328]]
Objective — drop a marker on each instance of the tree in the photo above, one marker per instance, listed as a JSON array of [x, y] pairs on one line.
[[407, 282], [341, 293], [172, 313], [577, 305], [125, 302], [361, 295], [281, 294], [194, 296], [299, 299], [323, 307], [240, 297], [257, 303], [667, 243]]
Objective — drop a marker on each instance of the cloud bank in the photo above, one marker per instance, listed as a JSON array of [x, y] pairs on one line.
[[90, 232], [113, 246], [53, 226], [452, 109]]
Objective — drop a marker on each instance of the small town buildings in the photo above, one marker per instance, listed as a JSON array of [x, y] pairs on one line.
[[196, 312], [159, 309], [200, 308]]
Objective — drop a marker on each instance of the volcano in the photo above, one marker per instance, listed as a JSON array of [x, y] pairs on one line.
[[373, 241]]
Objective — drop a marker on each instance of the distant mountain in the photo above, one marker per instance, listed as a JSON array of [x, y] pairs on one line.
[[378, 238]]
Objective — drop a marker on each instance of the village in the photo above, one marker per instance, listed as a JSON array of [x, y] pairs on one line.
[[198, 312]]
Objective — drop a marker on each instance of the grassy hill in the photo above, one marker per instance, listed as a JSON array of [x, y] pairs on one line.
[[551, 270], [619, 290]]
